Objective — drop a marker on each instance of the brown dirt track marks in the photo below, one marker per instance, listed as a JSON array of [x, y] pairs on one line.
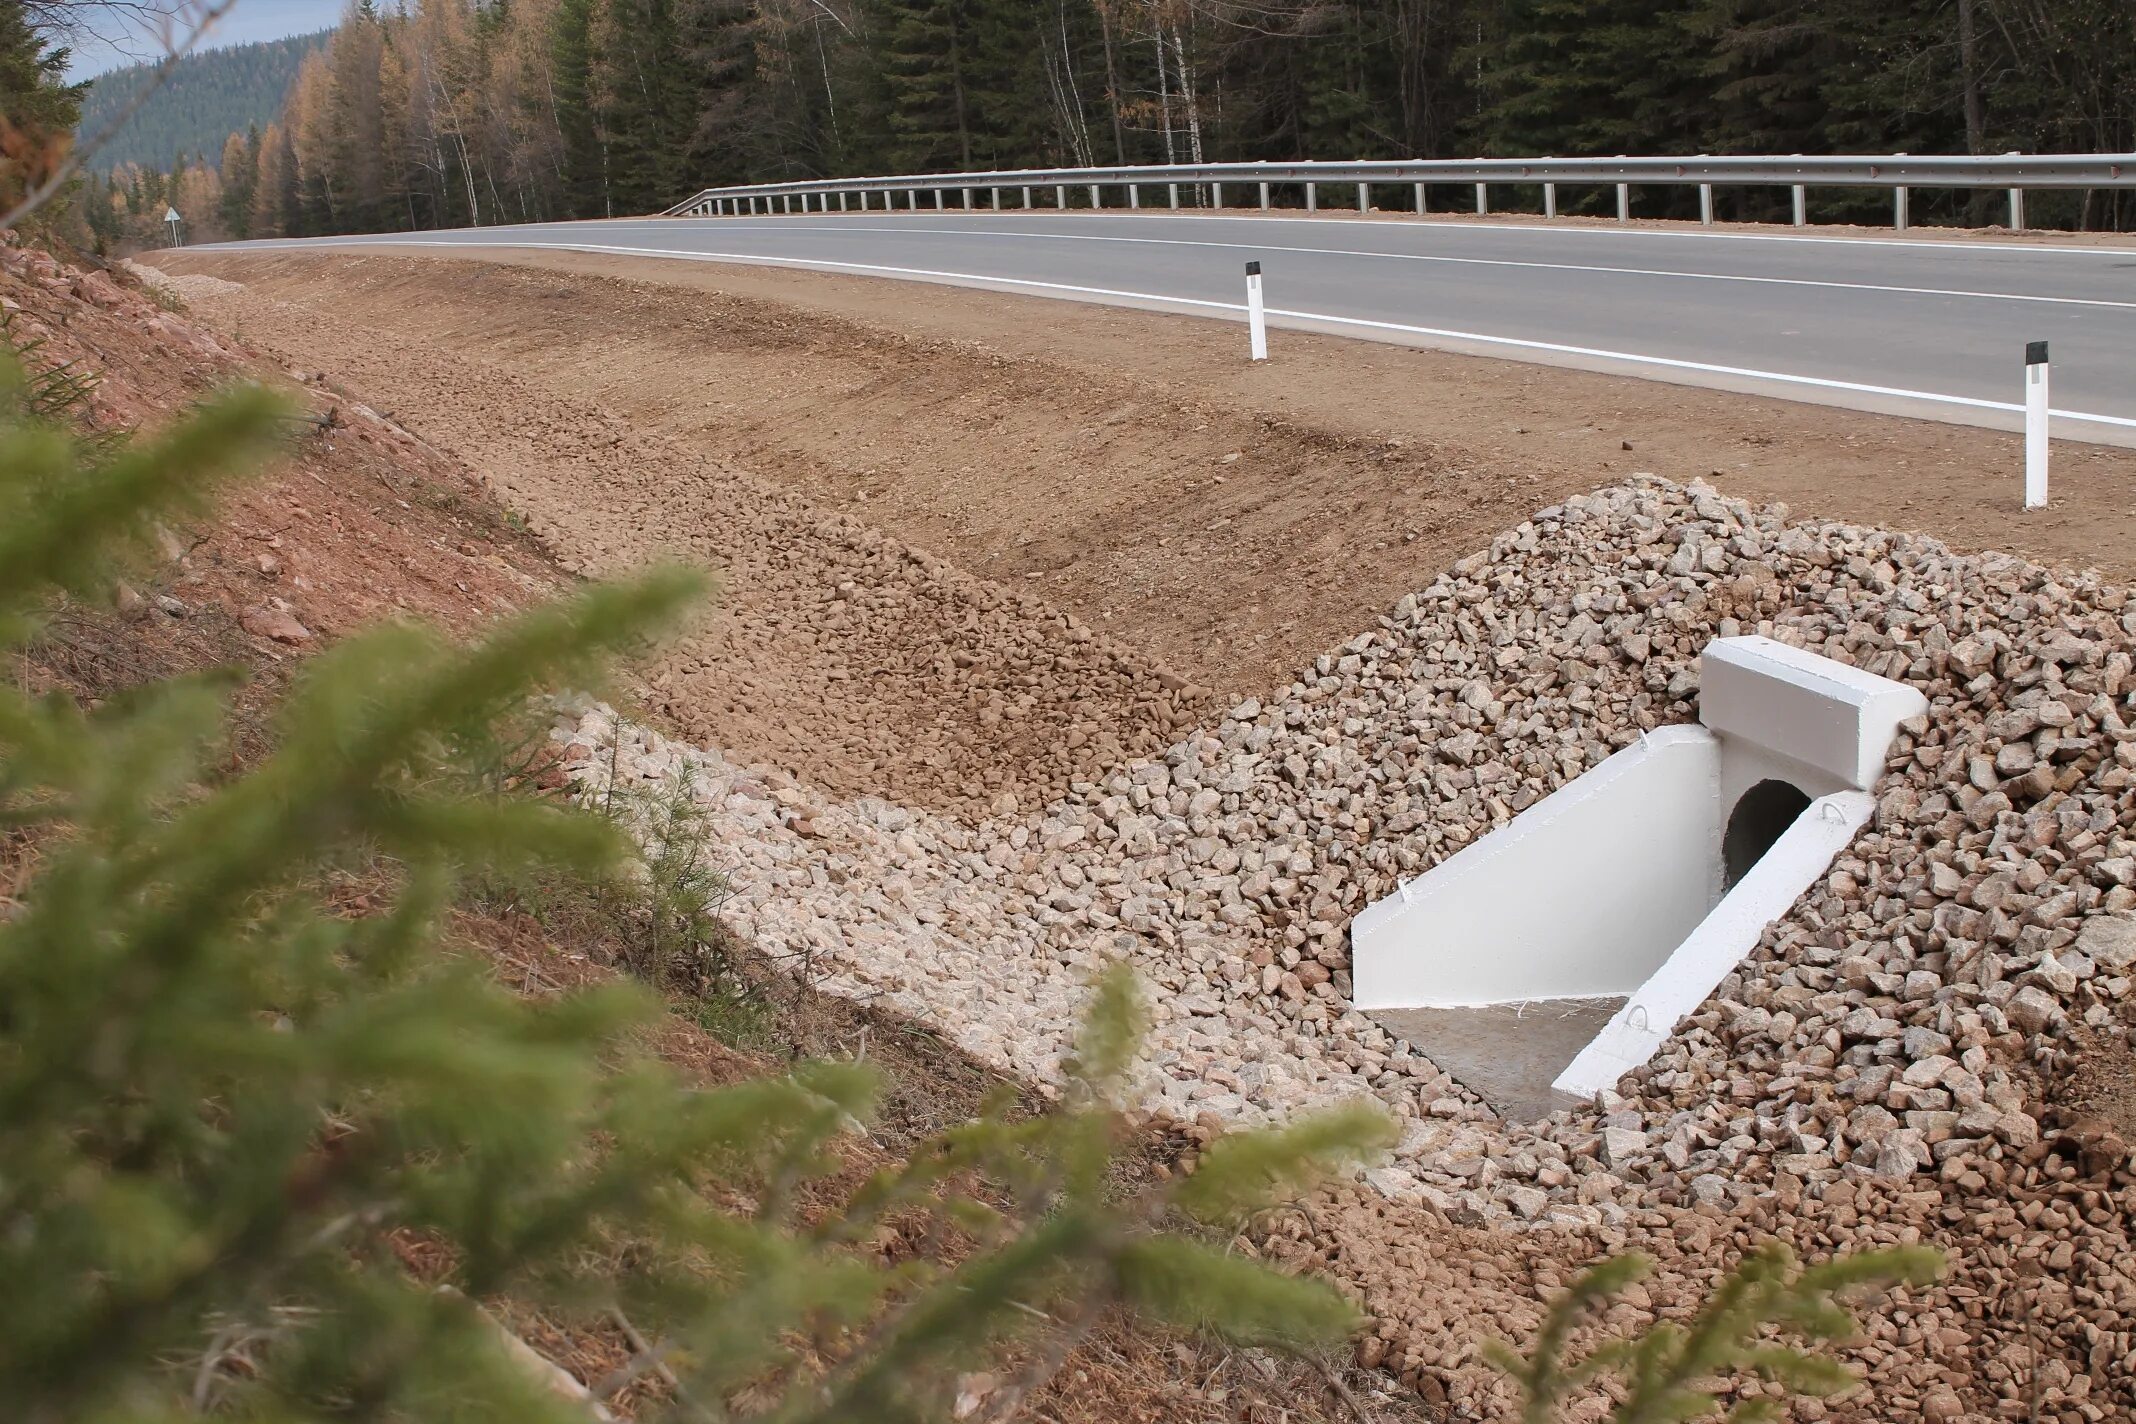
[[1232, 520]]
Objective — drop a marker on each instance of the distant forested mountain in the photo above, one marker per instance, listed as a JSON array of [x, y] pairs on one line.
[[209, 96]]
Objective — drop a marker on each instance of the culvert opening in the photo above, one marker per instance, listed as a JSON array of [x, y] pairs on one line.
[[1760, 818]]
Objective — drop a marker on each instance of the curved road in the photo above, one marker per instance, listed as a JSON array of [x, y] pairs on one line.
[[1914, 327]]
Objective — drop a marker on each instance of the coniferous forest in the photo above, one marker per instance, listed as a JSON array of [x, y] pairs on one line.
[[205, 98], [449, 112]]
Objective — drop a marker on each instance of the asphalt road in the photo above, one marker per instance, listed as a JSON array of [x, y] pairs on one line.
[[1915, 327]]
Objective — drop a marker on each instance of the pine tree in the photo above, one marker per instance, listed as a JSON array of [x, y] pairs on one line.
[[240, 179], [38, 108], [585, 144], [923, 54], [275, 197]]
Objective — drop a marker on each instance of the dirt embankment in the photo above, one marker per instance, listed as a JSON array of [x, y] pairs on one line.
[[1233, 520], [362, 521]]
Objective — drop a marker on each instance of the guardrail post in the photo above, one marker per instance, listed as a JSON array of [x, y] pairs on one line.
[[967, 199], [1420, 199], [1134, 196], [1095, 203], [1898, 209], [1550, 200], [1172, 191], [2035, 425], [1264, 197], [1624, 202], [1312, 197], [1483, 200], [1256, 314], [1705, 204], [1364, 197], [1027, 196], [1802, 206], [2017, 210], [1060, 196], [997, 199], [1216, 197]]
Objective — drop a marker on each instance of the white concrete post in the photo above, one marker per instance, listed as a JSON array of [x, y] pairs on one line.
[[1898, 209], [2017, 210], [841, 200], [1483, 201], [913, 197], [1264, 197], [1312, 197], [1256, 315], [1420, 199], [1550, 200], [1624, 202], [997, 199], [939, 204], [1095, 201], [1173, 192], [1134, 196], [967, 200], [1364, 197], [1802, 206], [1060, 196], [1705, 204], [2035, 425], [1027, 196]]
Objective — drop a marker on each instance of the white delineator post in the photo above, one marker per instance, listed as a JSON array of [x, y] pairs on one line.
[[1256, 315], [2035, 425]]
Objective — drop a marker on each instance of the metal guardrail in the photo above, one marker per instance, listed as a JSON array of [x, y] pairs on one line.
[[1899, 172]]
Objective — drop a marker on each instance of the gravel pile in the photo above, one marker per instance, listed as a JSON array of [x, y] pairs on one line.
[[1881, 1039]]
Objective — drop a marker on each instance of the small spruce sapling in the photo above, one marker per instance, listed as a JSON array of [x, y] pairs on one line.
[[1668, 1374]]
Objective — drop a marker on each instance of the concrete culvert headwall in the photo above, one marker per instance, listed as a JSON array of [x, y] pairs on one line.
[[1629, 893]]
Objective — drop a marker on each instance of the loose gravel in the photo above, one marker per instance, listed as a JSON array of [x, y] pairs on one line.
[[1878, 1043]]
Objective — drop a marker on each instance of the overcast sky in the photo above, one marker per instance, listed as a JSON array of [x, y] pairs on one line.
[[248, 20]]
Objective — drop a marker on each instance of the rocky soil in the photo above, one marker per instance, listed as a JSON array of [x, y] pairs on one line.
[[1885, 1045], [362, 520], [1931, 1045]]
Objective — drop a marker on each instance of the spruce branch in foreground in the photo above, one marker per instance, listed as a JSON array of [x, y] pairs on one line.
[[1668, 1374], [228, 1111]]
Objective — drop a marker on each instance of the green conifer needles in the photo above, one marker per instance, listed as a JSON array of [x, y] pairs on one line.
[[248, 1137], [1667, 1375]]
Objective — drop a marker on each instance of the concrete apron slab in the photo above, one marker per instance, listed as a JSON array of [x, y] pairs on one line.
[[1506, 1054]]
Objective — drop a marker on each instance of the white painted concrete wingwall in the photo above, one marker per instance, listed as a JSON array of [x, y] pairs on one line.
[[1581, 895], [1614, 885]]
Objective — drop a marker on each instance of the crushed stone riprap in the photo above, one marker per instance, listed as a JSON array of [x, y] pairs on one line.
[[1881, 1029]]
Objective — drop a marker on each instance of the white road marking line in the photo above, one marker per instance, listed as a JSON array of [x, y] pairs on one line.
[[1472, 262], [1469, 225], [923, 273]]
